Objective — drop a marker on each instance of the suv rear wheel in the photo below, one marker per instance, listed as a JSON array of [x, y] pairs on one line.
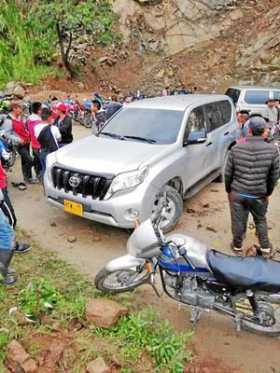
[[172, 211]]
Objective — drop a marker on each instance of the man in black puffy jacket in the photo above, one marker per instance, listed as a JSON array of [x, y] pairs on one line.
[[251, 174]]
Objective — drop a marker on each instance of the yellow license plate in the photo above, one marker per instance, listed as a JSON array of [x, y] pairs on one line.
[[73, 208]]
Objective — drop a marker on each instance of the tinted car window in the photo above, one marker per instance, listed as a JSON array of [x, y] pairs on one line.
[[217, 114], [256, 97], [233, 94], [159, 126], [276, 95], [195, 123]]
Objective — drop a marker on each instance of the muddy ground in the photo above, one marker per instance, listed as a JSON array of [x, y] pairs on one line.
[[206, 216]]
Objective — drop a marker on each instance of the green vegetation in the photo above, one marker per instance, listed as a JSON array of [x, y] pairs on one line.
[[144, 330], [48, 304], [32, 31]]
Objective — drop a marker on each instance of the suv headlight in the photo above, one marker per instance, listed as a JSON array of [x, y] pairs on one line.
[[127, 180]]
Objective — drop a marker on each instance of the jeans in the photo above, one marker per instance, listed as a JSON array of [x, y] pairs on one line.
[[8, 210], [6, 233], [26, 161], [240, 207]]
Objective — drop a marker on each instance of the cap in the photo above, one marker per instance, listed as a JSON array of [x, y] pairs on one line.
[[257, 123], [61, 107]]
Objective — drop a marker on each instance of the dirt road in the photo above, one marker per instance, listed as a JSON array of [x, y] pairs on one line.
[[206, 217]]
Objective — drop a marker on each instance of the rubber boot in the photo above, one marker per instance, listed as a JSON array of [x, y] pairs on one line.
[[5, 259]]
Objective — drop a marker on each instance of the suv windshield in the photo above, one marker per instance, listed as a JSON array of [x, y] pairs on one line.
[[154, 126]]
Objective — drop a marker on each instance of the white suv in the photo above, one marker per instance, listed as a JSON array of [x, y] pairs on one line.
[[252, 98], [165, 147]]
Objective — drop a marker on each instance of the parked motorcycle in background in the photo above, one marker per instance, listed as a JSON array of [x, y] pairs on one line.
[[246, 289]]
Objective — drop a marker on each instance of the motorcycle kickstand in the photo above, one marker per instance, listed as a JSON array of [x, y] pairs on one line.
[[195, 315], [152, 283]]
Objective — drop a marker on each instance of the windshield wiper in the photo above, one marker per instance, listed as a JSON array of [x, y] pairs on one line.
[[113, 135], [150, 141]]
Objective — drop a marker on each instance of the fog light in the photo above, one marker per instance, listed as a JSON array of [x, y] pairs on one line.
[[132, 214]]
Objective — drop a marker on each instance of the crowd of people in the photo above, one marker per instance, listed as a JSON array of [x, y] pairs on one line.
[[251, 173]]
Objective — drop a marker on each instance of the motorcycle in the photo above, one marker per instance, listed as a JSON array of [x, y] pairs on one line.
[[9, 155], [246, 289]]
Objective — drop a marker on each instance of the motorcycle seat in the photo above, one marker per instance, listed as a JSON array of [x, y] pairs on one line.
[[253, 272]]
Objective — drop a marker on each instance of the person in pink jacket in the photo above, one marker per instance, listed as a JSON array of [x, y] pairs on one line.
[[33, 120]]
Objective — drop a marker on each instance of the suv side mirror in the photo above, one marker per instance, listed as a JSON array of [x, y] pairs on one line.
[[196, 137]]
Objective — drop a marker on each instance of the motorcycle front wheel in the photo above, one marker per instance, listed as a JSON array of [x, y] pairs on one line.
[[120, 281]]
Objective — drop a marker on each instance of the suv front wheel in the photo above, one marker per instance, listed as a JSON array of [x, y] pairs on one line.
[[173, 208]]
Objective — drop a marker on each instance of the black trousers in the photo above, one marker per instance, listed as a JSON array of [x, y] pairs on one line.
[[37, 162], [240, 207], [26, 161], [7, 209]]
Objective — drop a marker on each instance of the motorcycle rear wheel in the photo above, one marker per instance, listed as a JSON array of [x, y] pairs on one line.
[[271, 312], [120, 281]]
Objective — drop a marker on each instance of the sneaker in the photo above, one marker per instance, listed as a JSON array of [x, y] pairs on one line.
[[22, 247], [236, 250], [266, 250]]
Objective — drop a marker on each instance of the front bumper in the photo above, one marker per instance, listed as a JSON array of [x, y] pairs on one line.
[[115, 211]]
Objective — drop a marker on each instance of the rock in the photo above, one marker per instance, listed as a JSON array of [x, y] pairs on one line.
[[104, 313], [18, 360], [211, 229], [72, 239], [97, 238], [236, 14], [14, 88], [98, 366], [53, 224], [19, 91]]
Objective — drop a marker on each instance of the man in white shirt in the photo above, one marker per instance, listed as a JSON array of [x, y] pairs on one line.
[[47, 135]]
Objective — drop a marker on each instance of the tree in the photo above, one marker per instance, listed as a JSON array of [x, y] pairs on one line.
[[61, 20]]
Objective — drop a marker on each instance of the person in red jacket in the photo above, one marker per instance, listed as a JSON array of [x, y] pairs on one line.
[[32, 121], [16, 130]]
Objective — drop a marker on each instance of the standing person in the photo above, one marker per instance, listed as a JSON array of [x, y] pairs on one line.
[[48, 136], [16, 131], [7, 209], [64, 124], [99, 115], [32, 121], [251, 174], [6, 250], [271, 112], [242, 130]]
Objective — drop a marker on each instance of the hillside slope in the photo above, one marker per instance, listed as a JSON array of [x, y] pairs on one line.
[[208, 44]]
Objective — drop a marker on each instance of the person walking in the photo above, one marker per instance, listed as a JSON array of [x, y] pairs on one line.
[[48, 136], [252, 171]]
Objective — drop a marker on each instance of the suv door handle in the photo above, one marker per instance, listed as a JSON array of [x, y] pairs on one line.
[[226, 133], [209, 143]]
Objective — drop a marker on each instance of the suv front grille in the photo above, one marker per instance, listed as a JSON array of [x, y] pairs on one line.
[[80, 183]]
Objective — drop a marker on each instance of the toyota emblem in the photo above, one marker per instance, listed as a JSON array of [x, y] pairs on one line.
[[74, 181]]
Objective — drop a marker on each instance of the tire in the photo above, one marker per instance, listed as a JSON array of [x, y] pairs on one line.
[[176, 206], [274, 309], [103, 275]]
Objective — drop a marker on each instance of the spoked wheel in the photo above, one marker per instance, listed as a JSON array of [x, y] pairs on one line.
[[172, 210], [120, 281], [265, 321]]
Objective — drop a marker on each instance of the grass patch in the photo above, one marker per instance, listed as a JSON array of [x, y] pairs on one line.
[[53, 295]]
